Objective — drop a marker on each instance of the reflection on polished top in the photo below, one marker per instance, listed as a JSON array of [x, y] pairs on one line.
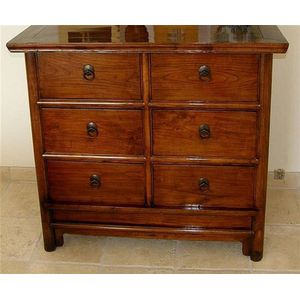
[[267, 38]]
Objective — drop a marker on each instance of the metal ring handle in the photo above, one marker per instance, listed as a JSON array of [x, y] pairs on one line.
[[203, 184], [204, 131], [88, 72], [204, 73], [92, 129], [95, 181]]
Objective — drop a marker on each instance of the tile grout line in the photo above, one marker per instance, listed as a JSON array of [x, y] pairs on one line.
[[282, 225], [30, 260], [3, 193], [175, 268], [103, 252]]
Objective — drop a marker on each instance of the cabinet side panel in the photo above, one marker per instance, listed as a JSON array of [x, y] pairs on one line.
[[33, 91], [263, 151]]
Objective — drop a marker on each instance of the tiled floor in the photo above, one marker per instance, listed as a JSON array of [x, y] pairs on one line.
[[22, 249]]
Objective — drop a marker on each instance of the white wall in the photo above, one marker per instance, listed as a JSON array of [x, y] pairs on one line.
[[16, 139], [285, 113]]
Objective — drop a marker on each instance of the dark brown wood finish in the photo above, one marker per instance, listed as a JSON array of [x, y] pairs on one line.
[[151, 131], [46, 215], [153, 232], [231, 78], [156, 219], [228, 187], [204, 133], [116, 76], [147, 127], [93, 131], [258, 227], [118, 184], [160, 38]]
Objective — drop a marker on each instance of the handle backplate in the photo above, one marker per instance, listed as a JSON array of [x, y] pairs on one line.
[[92, 129], [205, 73], [203, 184], [88, 72], [204, 131], [95, 181]]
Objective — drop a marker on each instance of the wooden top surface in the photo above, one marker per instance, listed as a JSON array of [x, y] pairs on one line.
[[147, 38]]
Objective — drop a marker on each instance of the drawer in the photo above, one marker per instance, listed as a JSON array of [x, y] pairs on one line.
[[204, 186], [93, 131], [151, 217], [204, 77], [96, 183], [89, 76], [229, 134]]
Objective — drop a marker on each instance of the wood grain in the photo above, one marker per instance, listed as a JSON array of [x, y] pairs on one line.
[[117, 76], [155, 219], [139, 176], [121, 184], [178, 186], [176, 77], [232, 134], [258, 225], [119, 131], [154, 232], [37, 136], [159, 38]]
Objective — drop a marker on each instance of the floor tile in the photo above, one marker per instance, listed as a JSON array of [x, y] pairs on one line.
[[275, 272], [4, 179], [211, 271], [20, 200], [62, 268], [134, 270], [283, 206], [22, 174], [4, 173], [77, 248], [291, 181], [281, 249], [214, 255], [3, 186], [19, 237], [139, 252], [14, 267]]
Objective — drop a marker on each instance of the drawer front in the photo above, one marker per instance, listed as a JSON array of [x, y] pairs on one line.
[[204, 133], [96, 183], [93, 131], [89, 76], [204, 186], [204, 77], [151, 217]]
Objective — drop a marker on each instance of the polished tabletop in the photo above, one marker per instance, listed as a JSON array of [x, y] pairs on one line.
[[243, 38]]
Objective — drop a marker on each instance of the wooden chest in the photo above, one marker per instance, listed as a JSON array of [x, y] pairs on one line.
[[151, 131]]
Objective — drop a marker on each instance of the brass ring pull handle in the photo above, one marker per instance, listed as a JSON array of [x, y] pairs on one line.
[[95, 181], [92, 129], [88, 72], [203, 184], [204, 73], [204, 131]]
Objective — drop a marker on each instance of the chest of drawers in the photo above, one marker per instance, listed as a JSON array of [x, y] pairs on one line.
[[151, 131]]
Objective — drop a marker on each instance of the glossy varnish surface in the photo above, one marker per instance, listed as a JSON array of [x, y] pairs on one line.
[[232, 78], [116, 76], [177, 155], [229, 187], [156, 217], [217, 38], [118, 132], [120, 184], [178, 132]]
